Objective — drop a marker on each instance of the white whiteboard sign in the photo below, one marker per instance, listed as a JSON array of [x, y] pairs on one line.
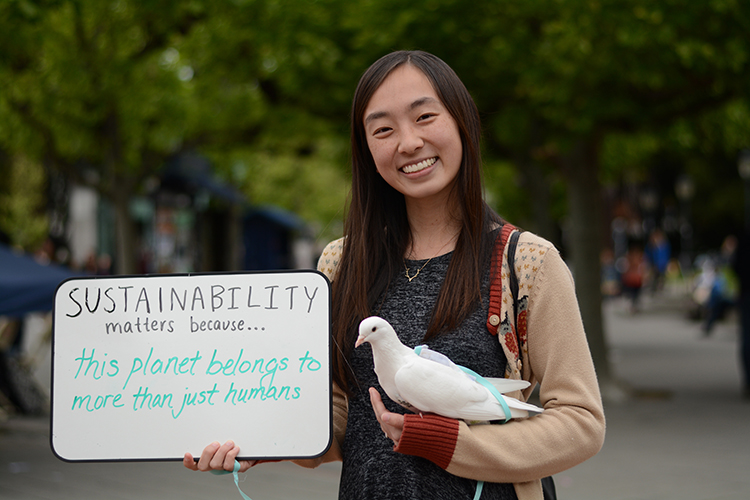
[[151, 367]]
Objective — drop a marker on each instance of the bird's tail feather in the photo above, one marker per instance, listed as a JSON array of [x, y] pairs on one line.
[[504, 385], [515, 404]]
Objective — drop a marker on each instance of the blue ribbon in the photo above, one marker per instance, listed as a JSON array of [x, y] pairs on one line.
[[492, 389], [236, 475], [480, 487]]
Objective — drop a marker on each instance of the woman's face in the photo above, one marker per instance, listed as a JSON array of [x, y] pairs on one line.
[[412, 137]]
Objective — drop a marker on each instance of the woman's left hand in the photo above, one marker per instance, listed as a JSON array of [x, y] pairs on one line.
[[217, 457], [391, 423]]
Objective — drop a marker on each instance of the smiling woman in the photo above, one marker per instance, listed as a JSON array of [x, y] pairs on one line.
[[424, 251]]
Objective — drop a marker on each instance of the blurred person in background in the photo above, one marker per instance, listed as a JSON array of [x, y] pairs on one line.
[[633, 270], [610, 276], [716, 289], [658, 253]]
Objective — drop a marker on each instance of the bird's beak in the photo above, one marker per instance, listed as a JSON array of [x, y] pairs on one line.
[[360, 341]]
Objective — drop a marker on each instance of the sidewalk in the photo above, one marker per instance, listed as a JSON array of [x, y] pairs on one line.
[[685, 436]]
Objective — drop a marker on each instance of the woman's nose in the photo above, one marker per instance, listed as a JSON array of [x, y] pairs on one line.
[[410, 141]]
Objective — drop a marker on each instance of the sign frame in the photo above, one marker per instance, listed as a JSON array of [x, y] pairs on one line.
[[268, 376]]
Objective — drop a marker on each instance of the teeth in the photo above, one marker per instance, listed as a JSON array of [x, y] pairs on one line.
[[410, 169]]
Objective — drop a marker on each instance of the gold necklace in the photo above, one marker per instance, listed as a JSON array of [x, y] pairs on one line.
[[410, 278], [418, 270]]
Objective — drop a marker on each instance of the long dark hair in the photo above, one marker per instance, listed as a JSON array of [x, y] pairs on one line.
[[377, 231]]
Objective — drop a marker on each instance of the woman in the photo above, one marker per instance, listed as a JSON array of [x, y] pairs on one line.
[[418, 250]]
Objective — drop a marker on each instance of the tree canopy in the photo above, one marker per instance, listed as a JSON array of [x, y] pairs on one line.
[[574, 94]]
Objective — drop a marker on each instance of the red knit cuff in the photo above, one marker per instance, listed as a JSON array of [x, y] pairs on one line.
[[429, 436]]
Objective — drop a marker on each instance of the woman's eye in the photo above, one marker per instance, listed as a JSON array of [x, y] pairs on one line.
[[425, 116], [381, 130]]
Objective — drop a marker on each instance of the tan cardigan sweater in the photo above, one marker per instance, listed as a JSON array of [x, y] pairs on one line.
[[555, 356]]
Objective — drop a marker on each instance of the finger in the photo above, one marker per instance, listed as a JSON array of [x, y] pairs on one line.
[[395, 423], [392, 424], [379, 409], [189, 462], [395, 420], [385, 417], [204, 463], [377, 403], [246, 464], [231, 457], [219, 458]]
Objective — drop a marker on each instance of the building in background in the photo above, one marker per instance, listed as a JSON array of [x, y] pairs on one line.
[[189, 221]]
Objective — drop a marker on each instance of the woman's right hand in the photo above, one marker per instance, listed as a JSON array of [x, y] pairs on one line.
[[217, 456]]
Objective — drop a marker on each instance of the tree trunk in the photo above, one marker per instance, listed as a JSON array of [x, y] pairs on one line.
[[119, 190], [535, 182], [585, 243], [125, 258]]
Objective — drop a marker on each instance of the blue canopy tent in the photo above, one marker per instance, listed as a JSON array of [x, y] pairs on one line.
[[267, 232], [25, 285]]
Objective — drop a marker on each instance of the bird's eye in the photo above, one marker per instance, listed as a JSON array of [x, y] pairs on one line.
[[374, 328]]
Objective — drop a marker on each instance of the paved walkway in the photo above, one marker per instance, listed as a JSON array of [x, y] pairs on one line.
[[685, 436]]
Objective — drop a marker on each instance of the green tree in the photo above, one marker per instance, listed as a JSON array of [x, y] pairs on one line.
[[105, 92], [573, 93], [555, 79], [22, 203], [91, 96]]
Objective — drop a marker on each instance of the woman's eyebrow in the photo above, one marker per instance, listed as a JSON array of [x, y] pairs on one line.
[[414, 105], [375, 116], [422, 101]]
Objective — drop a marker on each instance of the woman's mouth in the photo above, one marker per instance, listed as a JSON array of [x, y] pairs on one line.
[[416, 167]]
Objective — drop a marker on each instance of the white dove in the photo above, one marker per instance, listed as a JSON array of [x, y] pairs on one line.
[[429, 382]]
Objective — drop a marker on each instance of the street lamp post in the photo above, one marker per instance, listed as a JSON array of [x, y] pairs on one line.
[[743, 167]]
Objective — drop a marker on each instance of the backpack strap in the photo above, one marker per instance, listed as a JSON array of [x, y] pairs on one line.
[[512, 244], [496, 279]]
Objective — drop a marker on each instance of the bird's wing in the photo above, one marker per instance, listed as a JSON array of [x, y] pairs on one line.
[[425, 352], [503, 385], [436, 388]]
